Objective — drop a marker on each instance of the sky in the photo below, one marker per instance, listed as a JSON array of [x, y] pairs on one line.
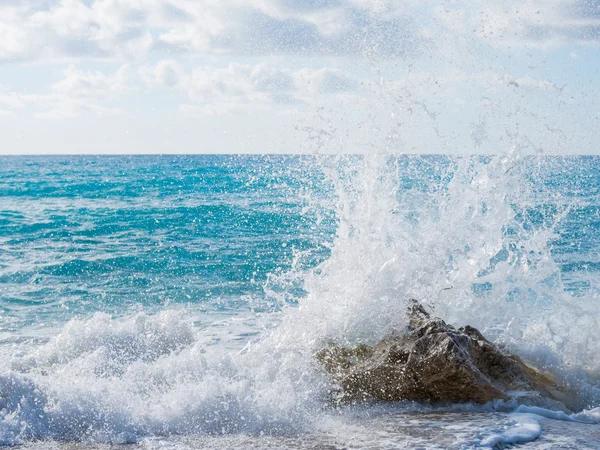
[[299, 76]]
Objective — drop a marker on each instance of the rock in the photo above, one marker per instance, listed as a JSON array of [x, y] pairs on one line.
[[434, 362]]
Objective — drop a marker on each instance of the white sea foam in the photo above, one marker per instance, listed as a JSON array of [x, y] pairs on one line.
[[591, 416], [113, 380], [524, 430]]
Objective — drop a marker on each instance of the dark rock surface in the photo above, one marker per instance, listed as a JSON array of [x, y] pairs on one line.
[[435, 362]]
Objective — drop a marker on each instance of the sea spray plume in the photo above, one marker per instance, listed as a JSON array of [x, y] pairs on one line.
[[467, 243], [393, 243]]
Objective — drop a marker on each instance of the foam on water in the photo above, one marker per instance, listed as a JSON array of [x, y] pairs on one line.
[[524, 430], [586, 416], [120, 380]]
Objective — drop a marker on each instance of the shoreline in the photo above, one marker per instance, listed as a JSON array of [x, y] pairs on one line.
[[450, 429]]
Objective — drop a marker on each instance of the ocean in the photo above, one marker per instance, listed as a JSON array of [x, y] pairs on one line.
[[178, 302]]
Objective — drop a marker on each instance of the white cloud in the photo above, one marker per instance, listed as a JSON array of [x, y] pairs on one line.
[[14, 39], [77, 92], [91, 84], [113, 28], [313, 82], [80, 92], [538, 23], [10, 100], [236, 86], [239, 88], [128, 30], [203, 90], [166, 73]]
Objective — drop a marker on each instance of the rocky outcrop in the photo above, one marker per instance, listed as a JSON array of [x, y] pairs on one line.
[[434, 362]]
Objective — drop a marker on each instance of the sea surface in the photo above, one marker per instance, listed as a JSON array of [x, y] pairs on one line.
[[178, 301]]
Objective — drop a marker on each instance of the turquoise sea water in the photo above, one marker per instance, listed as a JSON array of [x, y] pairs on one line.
[[111, 234], [152, 296]]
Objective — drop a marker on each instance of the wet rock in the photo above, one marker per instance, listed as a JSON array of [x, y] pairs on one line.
[[434, 362]]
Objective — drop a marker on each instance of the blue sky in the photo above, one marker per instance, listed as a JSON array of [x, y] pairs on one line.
[[291, 76]]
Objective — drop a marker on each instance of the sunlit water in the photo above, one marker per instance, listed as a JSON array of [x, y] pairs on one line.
[[177, 302]]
